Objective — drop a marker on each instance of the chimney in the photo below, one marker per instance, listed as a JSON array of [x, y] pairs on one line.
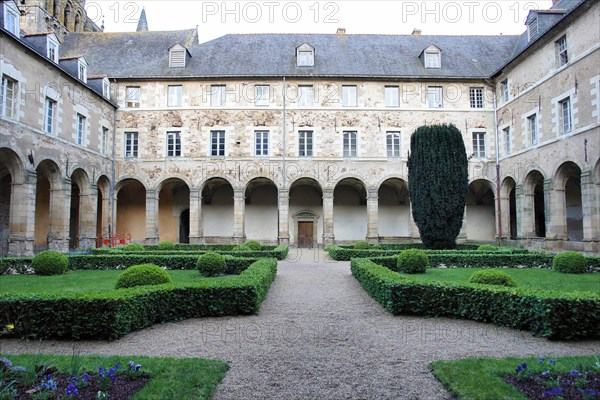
[[341, 31], [416, 32]]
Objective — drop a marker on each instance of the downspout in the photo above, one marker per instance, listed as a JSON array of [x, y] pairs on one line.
[[113, 172], [283, 144], [498, 199]]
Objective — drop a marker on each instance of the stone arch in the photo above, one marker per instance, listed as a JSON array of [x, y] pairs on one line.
[[481, 212], [67, 14], [508, 190], [567, 178], [77, 23], [55, 8], [534, 207], [218, 208], [11, 171], [49, 207], [350, 210], [261, 211], [173, 201], [394, 208], [131, 210], [347, 177], [306, 199]]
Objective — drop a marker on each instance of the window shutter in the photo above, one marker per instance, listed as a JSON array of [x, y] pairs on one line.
[[177, 58]]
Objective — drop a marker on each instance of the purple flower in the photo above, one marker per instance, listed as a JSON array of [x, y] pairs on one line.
[[72, 390], [556, 391], [130, 364], [552, 361], [85, 377], [541, 361], [7, 363], [575, 373], [112, 375], [117, 366], [546, 372], [591, 392], [137, 367], [101, 371]]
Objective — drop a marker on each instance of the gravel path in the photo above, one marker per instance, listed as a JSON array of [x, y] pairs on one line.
[[320, 336]]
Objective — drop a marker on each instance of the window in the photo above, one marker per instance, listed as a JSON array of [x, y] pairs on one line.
[[131, 144], [507, 141], [476, 97], [305, 96], [392, 96], [504, 90], [433, 59], [106, 88], [565, 115], [562, 53], [49, 115], [7, 97], [82, 71], [261, 143], [479, 144], [11, 18], [80, 129], [217, 95], [103, 140], [217, 143], [305, 143], [532, 29], [349, 96], [434, 97], [532, 128], [132, 97], [52, 48], [261, 93], [174, 96], [306, 58], [393, 144], [173, 144], [350, 144], [177, 57]]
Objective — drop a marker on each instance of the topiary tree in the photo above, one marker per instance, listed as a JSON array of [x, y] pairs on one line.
[[143, 274], [50, 263], [413, 261], [211, 264], [361, 245], [570, 262], [166, 245], [492, 277], [254, 245], [133, 247], [438, 182]]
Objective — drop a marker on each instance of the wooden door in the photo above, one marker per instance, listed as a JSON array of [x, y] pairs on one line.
[[305, 234]]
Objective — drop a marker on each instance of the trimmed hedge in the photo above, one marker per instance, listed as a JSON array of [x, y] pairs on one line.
[[279, 252], [108, 316], [211, 264], [569, 262], [546, 314], [492, 277], [413, 261], [141, 275], [470, 260], [50, 262], [344, 253]]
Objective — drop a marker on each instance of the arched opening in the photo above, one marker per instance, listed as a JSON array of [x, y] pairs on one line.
[[55, 8], [77, 24], [481, 213], [11, 172], [306, 212], [67, 16], [568, 176], [509, 208], [394, 209], [5, 197], [350, 210], [80, 217], [48, 176], [534, 183], [261, 210], [74, 217], [184, 226], [102, 211], [173, 199], [217, 208], [131, 210]]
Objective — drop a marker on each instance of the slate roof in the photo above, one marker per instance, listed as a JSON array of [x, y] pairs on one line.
[[145, 55]]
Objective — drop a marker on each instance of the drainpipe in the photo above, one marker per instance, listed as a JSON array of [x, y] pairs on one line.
[[498, 200], [113, 172], [283, 144]]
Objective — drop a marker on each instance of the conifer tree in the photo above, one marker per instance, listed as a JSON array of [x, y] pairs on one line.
[[438, 182]]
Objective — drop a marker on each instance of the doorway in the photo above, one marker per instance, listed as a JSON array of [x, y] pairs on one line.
[[305, 234]]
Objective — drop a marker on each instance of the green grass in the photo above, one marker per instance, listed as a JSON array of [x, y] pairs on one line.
[[481, 378], [543, 279], [84, 281], [170, 378]]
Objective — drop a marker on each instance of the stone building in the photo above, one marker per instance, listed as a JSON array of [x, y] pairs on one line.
[[303, 138]]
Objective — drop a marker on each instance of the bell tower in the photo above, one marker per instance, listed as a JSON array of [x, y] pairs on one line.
[[58, 16]]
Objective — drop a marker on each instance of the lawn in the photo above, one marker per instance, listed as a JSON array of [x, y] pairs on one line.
[[544, 279], [481, 378], [85, 281], [170, 378]]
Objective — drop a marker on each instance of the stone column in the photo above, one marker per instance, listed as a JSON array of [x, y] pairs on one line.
[[88, 202], [328, 237], [60, 215], [195, 216], [373, 215], [239, 214], [22, 216], [525, 213], [152, 217], [284, 217], [590, 203], [554, 209], [462, 235]]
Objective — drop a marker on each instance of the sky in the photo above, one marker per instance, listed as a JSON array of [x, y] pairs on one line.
[[218, 18]]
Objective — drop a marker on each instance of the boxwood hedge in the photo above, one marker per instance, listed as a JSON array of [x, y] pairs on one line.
[[108, 316], [546, 314], [344, 253], [279, 252]]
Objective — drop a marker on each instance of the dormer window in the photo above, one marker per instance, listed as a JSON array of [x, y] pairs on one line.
[[82, 70], [532, 28], [11, 18], [52, 48], [305, 55], [433, 57], [177, 56], [106, 88]]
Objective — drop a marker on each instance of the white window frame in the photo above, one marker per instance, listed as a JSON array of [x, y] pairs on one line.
[[217, 143], [174, 95], [562, 51], [506, 132], [306, 96], [261, 95], [306, 58], [393, 144], [504, 89], [565, 115], [349, 96], [261, 143], [11, 18], [392, 96], [8, 96], [305, 143], [80, 129], [82, 70], [103, 140], [132, 96], [131, 145], [433, 59], [476, 95], [50, 115], [106, 88], [173, 145], [479, 144], [435, 96], [349, 144], [532, 129], [52, 46], [218, 95]]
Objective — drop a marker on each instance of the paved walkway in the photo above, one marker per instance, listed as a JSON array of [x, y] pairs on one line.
[[320, 336]]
